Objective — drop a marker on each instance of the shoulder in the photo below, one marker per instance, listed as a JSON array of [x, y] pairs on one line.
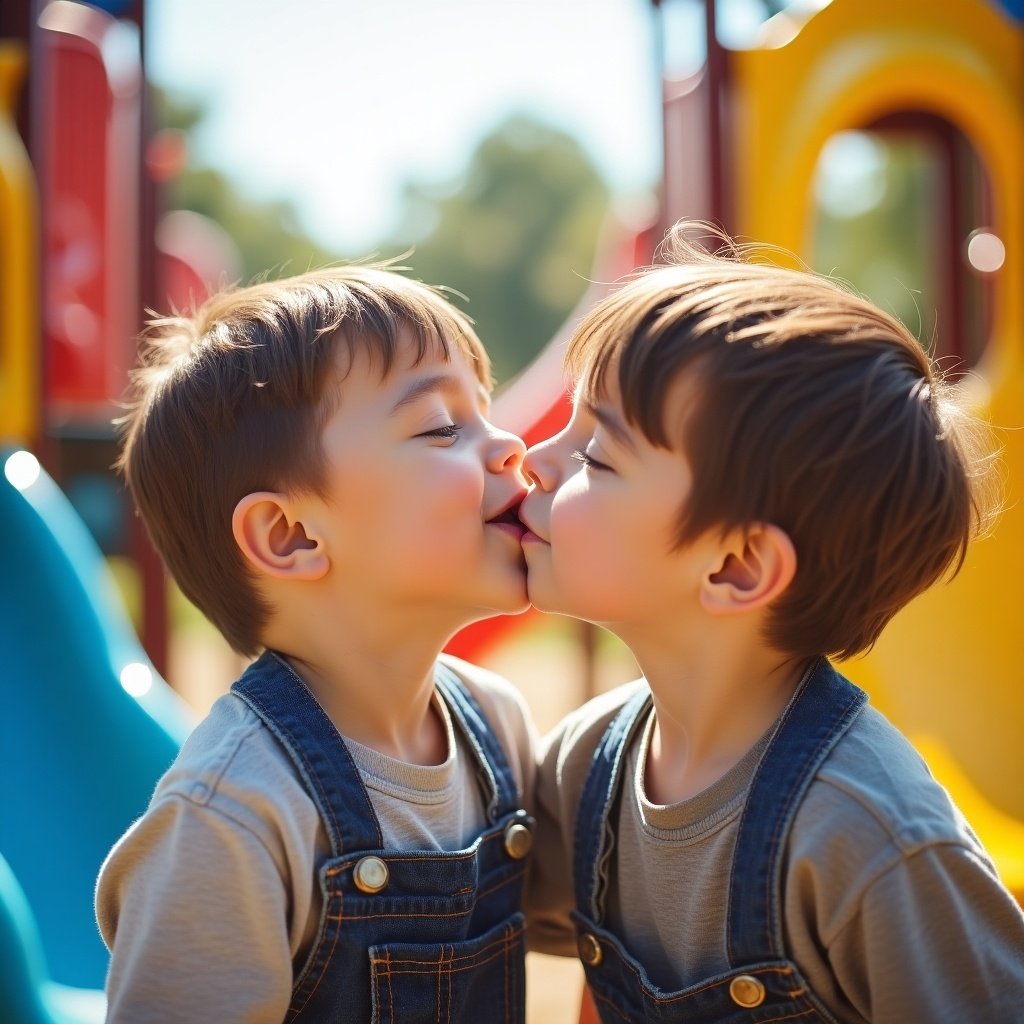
[[233, 766], [507, 715], [873, 810], [884, 873], [876, 782], [566, 750], [493, 692], [581, 730]]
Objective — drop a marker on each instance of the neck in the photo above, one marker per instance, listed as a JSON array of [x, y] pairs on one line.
[[374, 678], [713, 701]]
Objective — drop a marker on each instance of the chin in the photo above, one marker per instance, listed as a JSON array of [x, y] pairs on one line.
[[517, 604], [543, 601]]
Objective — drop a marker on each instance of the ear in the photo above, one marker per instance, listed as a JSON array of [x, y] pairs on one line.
[[753, 568], [274, 541]]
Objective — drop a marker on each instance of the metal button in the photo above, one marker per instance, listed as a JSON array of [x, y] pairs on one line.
[[518, 840], [370, 874], [747, 991], [589, 949]]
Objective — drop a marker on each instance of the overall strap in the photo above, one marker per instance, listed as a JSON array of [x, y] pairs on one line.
[[499, 784], [283, 701], [591, 843], [822, 710]]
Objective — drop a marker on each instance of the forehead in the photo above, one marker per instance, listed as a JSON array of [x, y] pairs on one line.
[[660, 410], [411, 347]]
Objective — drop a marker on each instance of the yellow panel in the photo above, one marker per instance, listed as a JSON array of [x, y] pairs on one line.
[[19, 343], [951, 665]]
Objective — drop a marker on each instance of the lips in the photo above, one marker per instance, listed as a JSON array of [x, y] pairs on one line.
[[509, 515], [531, 534]]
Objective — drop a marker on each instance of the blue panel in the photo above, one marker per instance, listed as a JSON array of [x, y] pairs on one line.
[[79, 756]]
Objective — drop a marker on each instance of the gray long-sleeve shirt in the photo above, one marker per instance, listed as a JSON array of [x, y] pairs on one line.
[[892, 910]]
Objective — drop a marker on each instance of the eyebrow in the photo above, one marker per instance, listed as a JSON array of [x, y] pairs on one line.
[[426, 386], [443, 382], [613, 424]]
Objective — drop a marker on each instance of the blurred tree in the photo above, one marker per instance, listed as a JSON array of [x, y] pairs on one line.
[[516, 235], [267, 233]]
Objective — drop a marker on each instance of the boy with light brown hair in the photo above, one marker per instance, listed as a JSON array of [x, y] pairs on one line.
[[344, 836], [761, 469]]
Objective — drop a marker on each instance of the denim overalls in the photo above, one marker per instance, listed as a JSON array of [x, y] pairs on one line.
[[762, 984], [408, 935]]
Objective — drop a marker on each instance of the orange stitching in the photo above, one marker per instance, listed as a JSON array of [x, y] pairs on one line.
[[607, 1002], [373, 917], [676, 998], [703, 988], [507, 950], [714, 984], [791, 1016], [396, 859], [437, 1000], [451, 960], [479, 896], [434, 965], [391, 991], [327, 960]]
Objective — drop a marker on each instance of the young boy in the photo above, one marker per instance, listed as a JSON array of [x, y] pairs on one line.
[[343, 836], [760, 470]]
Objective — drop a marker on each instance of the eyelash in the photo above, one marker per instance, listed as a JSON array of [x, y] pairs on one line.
[[588, 461], [450, 431]]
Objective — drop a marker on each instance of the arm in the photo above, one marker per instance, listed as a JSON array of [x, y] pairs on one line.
[[194, 910], [935, 938]]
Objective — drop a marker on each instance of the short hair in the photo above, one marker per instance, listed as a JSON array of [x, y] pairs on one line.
[[814, 411], [232, 400]]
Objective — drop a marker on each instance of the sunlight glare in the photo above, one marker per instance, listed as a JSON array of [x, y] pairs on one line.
[[136, 678], [22, 470], [985, 251]]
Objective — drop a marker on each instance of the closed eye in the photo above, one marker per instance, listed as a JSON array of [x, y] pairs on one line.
[[449, 431], [589, 462]]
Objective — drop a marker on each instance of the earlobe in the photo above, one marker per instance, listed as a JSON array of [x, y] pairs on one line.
[[754, 568], [274, 541]]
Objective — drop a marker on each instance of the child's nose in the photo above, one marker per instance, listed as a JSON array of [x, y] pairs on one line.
[[506, 450], [539, 465]]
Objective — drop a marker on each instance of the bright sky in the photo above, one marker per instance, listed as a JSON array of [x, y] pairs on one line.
[[334, 103]]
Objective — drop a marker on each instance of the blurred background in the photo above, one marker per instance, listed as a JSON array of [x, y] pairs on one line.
[[526, 154]]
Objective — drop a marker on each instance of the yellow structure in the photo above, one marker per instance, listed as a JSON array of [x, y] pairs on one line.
[[949, 670], [19, 343]]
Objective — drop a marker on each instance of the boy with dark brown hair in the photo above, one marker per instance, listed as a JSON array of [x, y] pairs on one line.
[[344, 835], [761, 469]]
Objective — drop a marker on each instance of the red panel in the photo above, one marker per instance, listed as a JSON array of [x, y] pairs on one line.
[[89, 183], [540, 387]]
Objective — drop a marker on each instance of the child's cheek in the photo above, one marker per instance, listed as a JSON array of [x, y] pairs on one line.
[[572, 528]]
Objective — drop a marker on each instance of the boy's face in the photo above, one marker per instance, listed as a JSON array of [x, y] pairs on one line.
[[420, 491], [602, 519]]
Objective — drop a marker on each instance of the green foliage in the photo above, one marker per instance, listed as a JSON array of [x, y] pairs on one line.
[[516, 236], [268, 234]]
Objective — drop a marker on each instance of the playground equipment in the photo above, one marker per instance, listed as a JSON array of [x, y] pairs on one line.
[[27, 994], [88, 726], [949, 669], [743, 139], [19, 365]]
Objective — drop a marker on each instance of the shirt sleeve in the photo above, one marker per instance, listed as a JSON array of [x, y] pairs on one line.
[[193, 908], [549, 891], [934, 938]]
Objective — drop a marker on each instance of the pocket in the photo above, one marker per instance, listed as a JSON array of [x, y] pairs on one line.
[[481, 979]]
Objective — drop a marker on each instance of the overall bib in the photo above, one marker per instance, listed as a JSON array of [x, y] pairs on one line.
[[761, 984], [406, 936]]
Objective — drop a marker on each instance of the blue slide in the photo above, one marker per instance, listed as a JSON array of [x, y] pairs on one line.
[[87, 729]]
